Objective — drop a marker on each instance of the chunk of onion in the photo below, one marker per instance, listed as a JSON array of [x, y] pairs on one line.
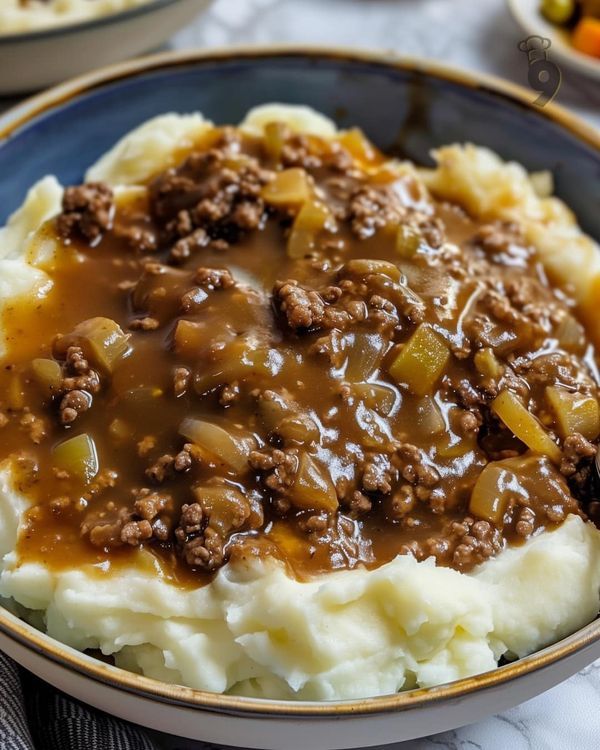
[[380, 398], [492, 493], [571, 334], [289, 187], [421, 361], [365, 352], [190, 338], [355, 141], [275, 134], [408, 241], [371, 266], [78, 456], [429, 416], [225, 506], [47, 374], [525, 426], [230, 448], [313, 488], [15, 393], [101, 339], [487, 364], [574, 413], [312, 218]]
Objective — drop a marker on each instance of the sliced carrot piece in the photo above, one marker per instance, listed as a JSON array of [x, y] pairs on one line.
[[586, 36]]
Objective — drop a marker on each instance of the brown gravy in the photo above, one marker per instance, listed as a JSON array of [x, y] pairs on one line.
[[343, 463]]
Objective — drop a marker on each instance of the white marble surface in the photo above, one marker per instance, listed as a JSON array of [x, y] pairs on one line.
[[475, 34]]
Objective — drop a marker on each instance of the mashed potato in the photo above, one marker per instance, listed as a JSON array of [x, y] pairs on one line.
[[32, 15], [254, 630]]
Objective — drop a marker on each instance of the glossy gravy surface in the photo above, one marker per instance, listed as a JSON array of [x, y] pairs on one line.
[[332, 449]]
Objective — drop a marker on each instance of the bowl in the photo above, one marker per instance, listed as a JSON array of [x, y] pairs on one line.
[[407, 107], [33, 60], [528, 15]]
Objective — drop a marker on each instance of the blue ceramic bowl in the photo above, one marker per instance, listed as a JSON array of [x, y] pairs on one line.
[[406, 107]]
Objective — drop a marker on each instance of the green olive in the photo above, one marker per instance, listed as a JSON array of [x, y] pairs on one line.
[[558, 11]]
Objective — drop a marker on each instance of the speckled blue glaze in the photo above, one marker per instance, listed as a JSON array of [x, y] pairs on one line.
[[403, 110]]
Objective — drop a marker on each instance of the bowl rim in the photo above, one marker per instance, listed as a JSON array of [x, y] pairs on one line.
[[67, 657], [67, 28]]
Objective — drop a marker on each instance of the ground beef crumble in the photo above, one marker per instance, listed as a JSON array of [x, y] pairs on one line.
[[87, 211]]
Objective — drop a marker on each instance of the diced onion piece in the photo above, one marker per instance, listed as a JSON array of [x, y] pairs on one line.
[[487, 364], [15, 395], [574, 413], [189, 338], [275, 134], [359, 146], [119, 430], [570, 333], [225, 506], [408, 241], [78, 456], [430, 417], [101, 339], [313, 488], [364, 355], [421, 361], [289, 187], [491, 493], [47, 374], [245, 359], [380, 398], [452, 446], [525, 426], [371, 266], [231, 449], [298, 428], [312, 218]]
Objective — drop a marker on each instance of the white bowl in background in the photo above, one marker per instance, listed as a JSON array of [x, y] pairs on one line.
[[33, 60]]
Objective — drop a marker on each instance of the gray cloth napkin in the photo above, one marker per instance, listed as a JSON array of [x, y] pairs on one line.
[[35, 716]]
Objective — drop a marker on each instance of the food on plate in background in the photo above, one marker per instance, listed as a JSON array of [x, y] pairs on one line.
[[32, 15], [581, 17]]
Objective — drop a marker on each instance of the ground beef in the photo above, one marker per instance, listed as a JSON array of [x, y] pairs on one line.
[[214, 278], [87, 212], [377, 474], [371, 209], [310, 309], [35, 426], [202, 534], [145, 445], [168, 465], [181, 380], [278, 469], [578, 463], [78, 374], [136, 532], [229, 394], [463, 544], [144, 324], [208, 198], [103, 528], [73, 404]]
